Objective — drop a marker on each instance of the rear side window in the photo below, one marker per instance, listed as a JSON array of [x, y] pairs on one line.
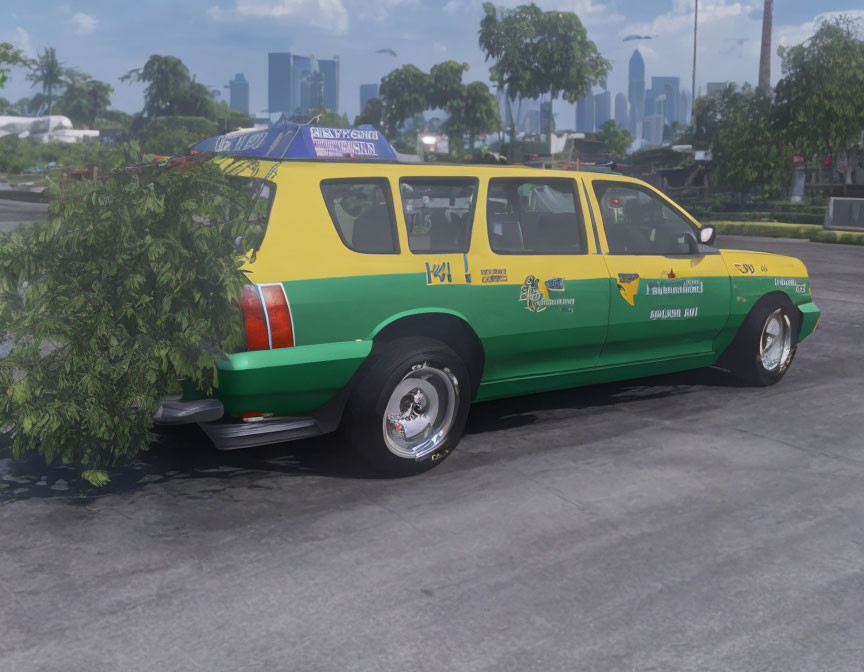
[[534, 216], [256, 210], [362, 212], [439, 212]]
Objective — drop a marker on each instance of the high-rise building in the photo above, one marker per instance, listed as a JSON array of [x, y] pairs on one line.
[[585, 114], [285, 75], [238, 93], [546, 116], [621, 110], [367, 93], [329, 69], [652, 129], [684, 110], [669, 87], [636, 91], [311, 89], [602, 109]]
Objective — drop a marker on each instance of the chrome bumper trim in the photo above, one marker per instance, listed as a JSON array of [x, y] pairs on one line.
[[231, 436], [188, 412]]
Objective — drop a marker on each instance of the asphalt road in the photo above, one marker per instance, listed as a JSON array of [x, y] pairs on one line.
[[13, 213], [674, 523]]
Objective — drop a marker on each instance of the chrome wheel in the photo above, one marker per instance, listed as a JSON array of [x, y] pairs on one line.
[[420, 412], [775, 344]]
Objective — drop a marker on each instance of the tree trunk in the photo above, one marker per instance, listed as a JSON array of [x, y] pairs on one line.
[[512, 126], [765, 55], [851, 162]]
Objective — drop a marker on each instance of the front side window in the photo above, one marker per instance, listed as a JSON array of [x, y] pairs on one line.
[[638, 221], [362, 212], [534, 216], [438, 213]]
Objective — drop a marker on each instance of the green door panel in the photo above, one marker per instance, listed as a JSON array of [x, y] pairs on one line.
[[288, 381], [517, 341]]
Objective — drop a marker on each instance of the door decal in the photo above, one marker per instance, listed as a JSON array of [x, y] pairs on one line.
[[628, 285]]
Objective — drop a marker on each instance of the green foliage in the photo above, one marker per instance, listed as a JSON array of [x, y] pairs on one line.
[[128, 287], [820, 98], [616, 139], [372, 114], [18, 155], [537, 52], [10, 56], [48, 72], [171, 90], [172, 136], [403, 93], [748, 152], [113, 119], [813, 233], [444, 84], [84, 99], [332, 119]]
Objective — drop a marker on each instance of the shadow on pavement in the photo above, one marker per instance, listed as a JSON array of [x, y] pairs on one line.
[[186, 453]]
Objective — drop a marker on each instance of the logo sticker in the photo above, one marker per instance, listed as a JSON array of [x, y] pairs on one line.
[[791, 283], [666, 287], [439, 272], [488, 275], [674, 313], [535, 294], [628, 285], [745, 268]]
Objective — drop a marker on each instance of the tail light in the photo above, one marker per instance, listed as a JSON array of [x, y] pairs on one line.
[[266, 317]]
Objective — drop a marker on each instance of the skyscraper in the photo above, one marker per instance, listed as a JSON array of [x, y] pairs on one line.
[[367, 92], [311, 89], [669, 87], [329, 68], [684, 110], [602, 109], [621, 110], [585, 114], [238, 93], [636, 91], [279, 83]]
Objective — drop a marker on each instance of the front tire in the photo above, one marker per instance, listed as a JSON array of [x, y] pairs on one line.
[[409, 407], [766, 343]]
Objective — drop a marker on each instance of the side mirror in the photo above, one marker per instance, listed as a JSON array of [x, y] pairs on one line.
[[707, 235]]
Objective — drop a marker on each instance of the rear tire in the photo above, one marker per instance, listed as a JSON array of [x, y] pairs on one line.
[[766, 343], [408, 409]]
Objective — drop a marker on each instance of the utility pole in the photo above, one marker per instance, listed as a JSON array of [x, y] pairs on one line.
[[765, 54], [693, 92]]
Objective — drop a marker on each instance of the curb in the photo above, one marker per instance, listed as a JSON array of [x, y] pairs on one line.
[[23, 195]]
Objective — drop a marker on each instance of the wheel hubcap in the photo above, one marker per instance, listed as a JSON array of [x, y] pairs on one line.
[[420, 412], [775, 345]]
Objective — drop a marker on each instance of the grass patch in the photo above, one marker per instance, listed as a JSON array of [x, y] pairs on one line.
[[782, 230]]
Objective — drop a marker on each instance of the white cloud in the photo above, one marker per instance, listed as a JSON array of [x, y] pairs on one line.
[[331, 16], [439, 46], [22, 41], [328, 15], [82, 24], [455, 6], [791, 35]]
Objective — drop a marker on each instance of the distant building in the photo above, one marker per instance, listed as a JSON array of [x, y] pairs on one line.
[[636, 91], [546, 116], [531, 122], [684, 109], [329, 69], [585, 114], [367, 93], [716, 88], [621, 110], [670, 87], [311, 90], [652, 130], [238, 94], [602, 109], [215, 93], [285, 75]]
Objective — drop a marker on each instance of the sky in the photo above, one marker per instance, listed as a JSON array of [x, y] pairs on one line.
[[218, 38]]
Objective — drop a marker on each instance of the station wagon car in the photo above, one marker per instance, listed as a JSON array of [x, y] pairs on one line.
[[386, 297]]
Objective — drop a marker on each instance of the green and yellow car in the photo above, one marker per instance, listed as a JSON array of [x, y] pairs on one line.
[[388, 297]]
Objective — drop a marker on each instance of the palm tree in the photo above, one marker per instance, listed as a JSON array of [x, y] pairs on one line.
[[765, 55], [49, 73]]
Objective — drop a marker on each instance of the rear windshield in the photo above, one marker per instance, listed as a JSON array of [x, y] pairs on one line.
[[253, 208]]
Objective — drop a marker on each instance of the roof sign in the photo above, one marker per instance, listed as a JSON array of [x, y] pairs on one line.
[[292, 141]]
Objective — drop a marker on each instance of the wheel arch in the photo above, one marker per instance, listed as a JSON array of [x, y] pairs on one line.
[[447, 326]]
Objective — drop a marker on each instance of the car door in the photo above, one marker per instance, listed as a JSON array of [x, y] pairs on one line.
[[670, 295], [542, 288]]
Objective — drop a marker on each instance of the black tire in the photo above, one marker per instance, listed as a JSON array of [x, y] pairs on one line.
[[744, 357], [369, 429]]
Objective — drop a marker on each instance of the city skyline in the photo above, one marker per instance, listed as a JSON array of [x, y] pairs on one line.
[[217, 38]]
